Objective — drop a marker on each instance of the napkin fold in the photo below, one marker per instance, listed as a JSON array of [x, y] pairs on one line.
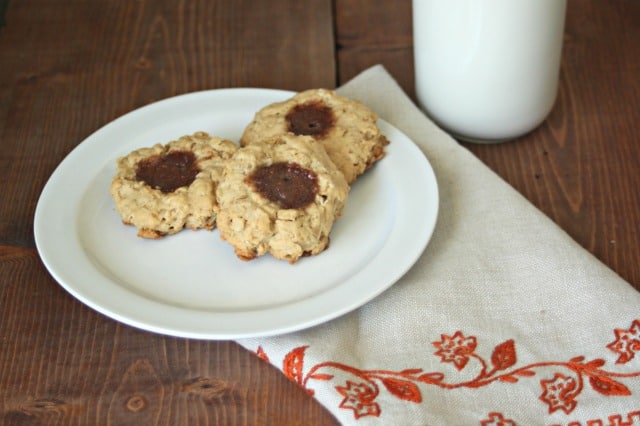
[[503, 320]]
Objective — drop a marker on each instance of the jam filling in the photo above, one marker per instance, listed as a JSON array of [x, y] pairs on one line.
[[168, 172], [287, 184], [311, 118]]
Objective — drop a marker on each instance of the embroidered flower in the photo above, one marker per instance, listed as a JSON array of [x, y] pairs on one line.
[[455, 349], [360, 398], [496, 419], [559, 393], [627, 342]]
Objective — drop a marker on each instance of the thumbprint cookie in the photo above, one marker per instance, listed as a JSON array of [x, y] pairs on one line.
[[280, 195], [346, 128], [167, 187]]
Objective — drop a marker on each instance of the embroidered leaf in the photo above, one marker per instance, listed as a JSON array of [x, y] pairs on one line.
[[410, 371], [607, 386], [320, 376], [596, 363], [431, 377], [293, 363], [508, 379], [525, 373], [577, 359], [262, 354], [402, 389], [504, 355]]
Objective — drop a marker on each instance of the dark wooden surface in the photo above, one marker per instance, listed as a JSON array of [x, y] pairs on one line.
[[69, 67]]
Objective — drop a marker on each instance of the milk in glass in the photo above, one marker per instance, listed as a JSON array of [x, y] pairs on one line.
[[487, 70]]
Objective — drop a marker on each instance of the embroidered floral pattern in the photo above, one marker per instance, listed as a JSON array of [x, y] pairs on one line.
[[631, 418], [455, 349], [497, 419], [559, 392], [627, 342], [360, 398]]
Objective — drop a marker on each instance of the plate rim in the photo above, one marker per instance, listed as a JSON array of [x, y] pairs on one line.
[[52, 264]]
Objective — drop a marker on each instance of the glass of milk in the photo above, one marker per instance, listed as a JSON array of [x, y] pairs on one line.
[[487, 70]]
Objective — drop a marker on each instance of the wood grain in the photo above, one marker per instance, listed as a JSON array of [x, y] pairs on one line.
[[564, 166], [371, 32], [582, 166], [62, 363], [74, 66], [67, 68]]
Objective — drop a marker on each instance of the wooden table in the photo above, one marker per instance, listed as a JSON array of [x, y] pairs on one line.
[[69, 67]]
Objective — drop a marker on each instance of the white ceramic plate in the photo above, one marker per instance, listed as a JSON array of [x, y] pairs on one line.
[[191, 284]]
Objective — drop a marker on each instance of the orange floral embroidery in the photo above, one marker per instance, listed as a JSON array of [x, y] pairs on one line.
[[293, 364], [360, 398], [632, 418], [262, 354], [627, 342], [456, 349], [497, 419], [559, 392]]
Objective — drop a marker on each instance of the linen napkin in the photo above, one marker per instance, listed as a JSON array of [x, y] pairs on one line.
[[503, 320]]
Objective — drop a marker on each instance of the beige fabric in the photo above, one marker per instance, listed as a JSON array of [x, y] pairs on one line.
[[503, 320]]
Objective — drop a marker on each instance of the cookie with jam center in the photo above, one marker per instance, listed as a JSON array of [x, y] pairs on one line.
[[280, 195], [346, 128], [168, 187]]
